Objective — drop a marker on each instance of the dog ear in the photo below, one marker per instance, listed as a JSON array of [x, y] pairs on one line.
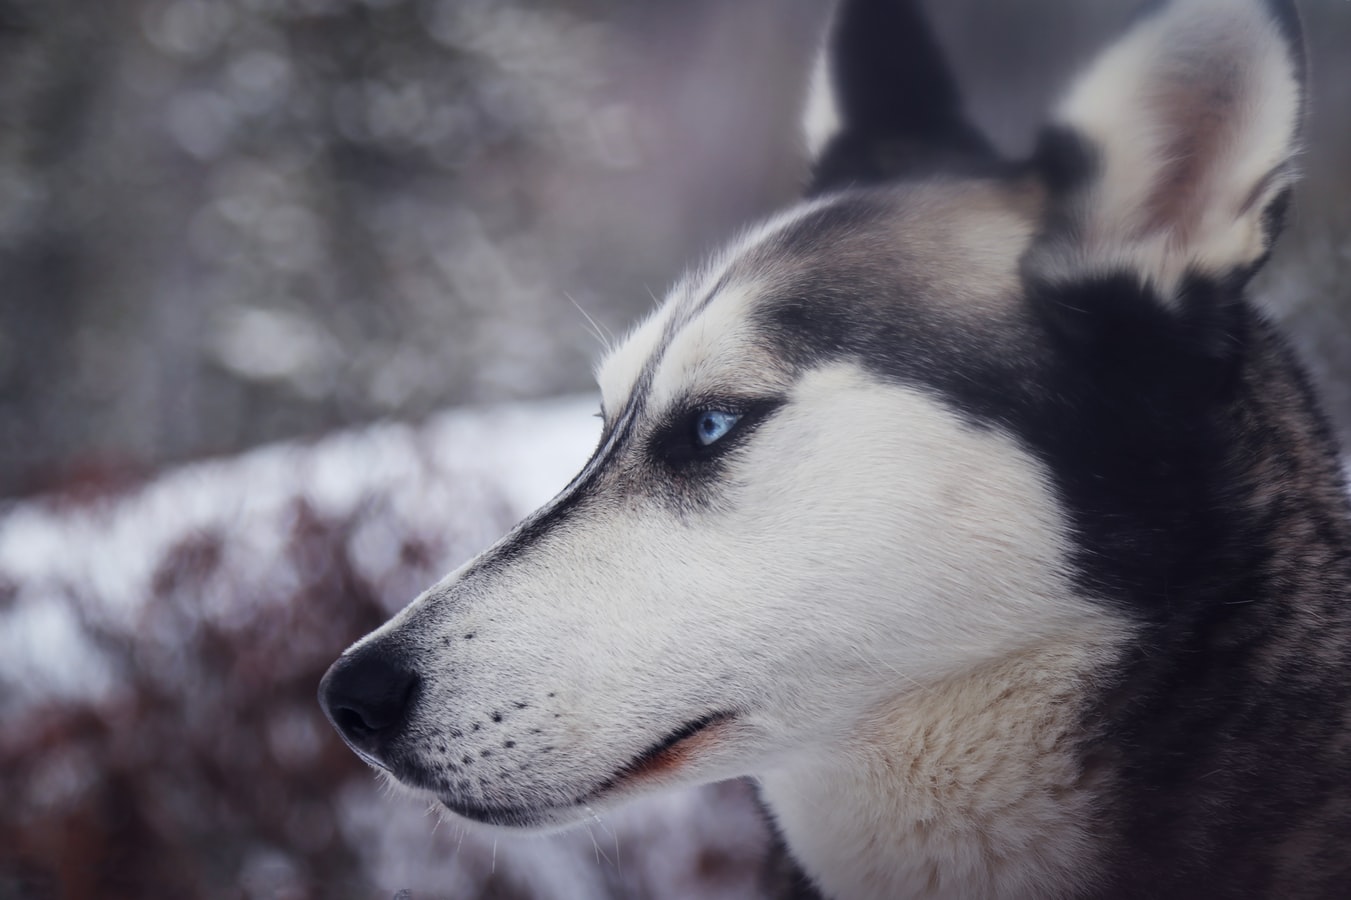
[[1172, 157], [882, 102]]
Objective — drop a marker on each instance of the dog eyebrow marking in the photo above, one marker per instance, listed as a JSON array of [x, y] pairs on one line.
[[757, 244], [537, 525], [693, 295]]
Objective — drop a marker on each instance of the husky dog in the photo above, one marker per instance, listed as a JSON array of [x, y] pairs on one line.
[[969, 507]]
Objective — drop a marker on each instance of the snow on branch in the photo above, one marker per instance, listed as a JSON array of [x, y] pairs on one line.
[[160, 650]]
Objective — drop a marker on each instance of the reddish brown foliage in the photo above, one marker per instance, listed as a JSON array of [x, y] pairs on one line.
[[209, 764]]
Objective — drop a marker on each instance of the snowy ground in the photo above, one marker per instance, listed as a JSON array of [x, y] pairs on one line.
[[463, 476], [74, 571]]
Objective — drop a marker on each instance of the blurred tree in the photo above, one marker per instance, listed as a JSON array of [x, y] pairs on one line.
[[227, 222]]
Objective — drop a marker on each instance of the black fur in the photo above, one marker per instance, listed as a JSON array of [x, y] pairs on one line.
[[1201, 485], [1207, 506], [1207, 503], [900, 110], [1200, 481], [1064, 160], [533, 530], [780, 875], [685, 473], [674, 446]]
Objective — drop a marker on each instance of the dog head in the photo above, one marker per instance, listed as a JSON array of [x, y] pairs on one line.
[[932, 416]]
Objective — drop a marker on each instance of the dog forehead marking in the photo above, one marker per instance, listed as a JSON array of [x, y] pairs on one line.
[[952, 243], [637, 357]]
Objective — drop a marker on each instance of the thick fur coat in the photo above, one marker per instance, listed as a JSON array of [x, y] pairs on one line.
[[970, 506]]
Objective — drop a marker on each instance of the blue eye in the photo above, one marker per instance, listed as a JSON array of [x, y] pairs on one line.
[[711, 425]]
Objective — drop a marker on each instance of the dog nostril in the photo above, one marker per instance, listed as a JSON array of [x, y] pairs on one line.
[[367, 695], [349, 721]]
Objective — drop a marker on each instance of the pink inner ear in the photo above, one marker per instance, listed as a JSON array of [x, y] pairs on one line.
[[1198, 114]]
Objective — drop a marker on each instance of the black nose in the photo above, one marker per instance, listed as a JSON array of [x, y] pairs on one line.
[[366, 695]]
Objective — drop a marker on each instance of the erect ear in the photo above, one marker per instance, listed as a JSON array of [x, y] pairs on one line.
[[1172, 156], [882, 102]]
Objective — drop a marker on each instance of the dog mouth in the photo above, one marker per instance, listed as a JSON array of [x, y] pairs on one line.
[[661, 759]]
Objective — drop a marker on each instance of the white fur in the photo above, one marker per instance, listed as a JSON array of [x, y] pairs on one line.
[[879, 591], [968, 788], [619, 371], [950, 769], [907, 612], [1213, 81], [821, 115], [876, 588]]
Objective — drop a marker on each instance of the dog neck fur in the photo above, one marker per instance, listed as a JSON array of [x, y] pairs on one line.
[[973, 787], [969, 780]]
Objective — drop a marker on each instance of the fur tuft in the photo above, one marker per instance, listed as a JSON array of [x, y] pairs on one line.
[[1187, 130]]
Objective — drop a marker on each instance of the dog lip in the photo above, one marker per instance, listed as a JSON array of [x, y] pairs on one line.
[[368, 759], [663, 754], [654, 758]]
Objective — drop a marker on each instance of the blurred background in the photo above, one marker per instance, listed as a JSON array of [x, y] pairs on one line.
[[390, 234]]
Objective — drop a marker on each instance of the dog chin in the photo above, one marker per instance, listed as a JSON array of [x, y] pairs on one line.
[[661, 763], [541, 819]]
